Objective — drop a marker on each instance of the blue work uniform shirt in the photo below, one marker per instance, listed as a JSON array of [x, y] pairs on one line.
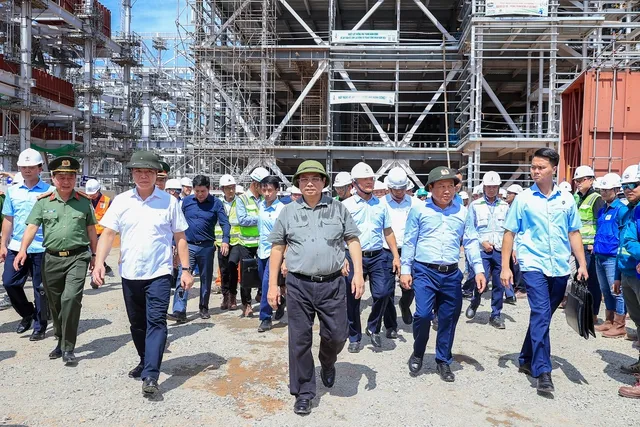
[[18, 204], [542, 226], [202, 218], [372, 218], [629, 253], [266, 220], [433, 235]]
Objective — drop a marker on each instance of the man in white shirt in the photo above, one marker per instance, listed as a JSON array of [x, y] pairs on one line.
[[148, 219]]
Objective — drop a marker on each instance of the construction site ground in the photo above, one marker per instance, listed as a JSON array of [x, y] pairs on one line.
[[221, 371]]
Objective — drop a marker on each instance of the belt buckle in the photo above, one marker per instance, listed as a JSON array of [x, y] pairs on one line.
[[443, 268], [63, 253], [316, 278]]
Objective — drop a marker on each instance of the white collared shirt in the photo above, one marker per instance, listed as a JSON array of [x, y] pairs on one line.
[[399, 213], [146, 230]]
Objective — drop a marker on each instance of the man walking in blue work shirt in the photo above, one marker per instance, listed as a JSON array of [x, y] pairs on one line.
[[430, 257], [19, 201], [202, 212], [547, 224], [374, 222]]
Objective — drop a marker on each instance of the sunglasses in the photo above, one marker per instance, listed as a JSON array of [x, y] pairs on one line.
[[630, 186]]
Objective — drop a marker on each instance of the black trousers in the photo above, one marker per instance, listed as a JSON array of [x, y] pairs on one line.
[[229, 276], [242, 252], [304, 300]]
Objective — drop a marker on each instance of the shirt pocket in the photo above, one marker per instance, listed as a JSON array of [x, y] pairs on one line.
[[79, 218], [482, 218], [332, 229], [49, 218]]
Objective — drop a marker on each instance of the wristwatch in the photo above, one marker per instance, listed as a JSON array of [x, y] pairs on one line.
[[189, 269]]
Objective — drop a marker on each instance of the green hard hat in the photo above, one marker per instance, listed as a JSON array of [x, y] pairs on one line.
[[165, 168], [441, 173], [422, 193], [309, 166], [144, 160]]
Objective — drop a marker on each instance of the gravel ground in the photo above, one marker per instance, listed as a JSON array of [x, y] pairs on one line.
[[221, 371]]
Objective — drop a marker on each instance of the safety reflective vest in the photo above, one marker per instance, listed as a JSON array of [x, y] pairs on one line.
[[249, 235], [100, 210], [588, 230], [607, 237], [490, 221], [234, 235]]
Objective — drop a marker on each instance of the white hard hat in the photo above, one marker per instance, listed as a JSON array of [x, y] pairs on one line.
[[610, 181], [226, 180], [411, 185], [239, 189], [326, 190], [186, 182], [342, 179], [362, 170], [515, 188], [259, 174], [491, 178], [502, 192], [397, 179], [30, 157], [17, 179], [477, 190], [583, 172], [596, 183], [565, 186], [92, 187], [173, 184], [379, 185], [294, 190], [464, 195], [630, 174]]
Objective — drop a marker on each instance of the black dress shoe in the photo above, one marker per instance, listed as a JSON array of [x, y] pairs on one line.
[[375, 339], [328, 376], [354, 347], [415, 364], [471, 311], [434, 323], [69, 358], [137, 371], [178, 317], [545, 385], [204, 313], [56, 353], [279, 314], [525, 369], [445, 373], [511, 300], [265, 325], [392, 334], [467, 295], [24, 325], [497, 322], [37, 336], [302, 406], [150, 386], [405, 309]]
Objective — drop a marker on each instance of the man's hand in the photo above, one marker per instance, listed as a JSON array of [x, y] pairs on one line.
[[590, 248], [186, 280], [3, 253], [583, 273], [481, 282], [98, 274], [18, 262], [616, 287], [406, 281], [345, 268], [92, 263], [638, 268], [396, 266], [487, 247], [357, 286], [506, 277], [224, 249], [273, 295]]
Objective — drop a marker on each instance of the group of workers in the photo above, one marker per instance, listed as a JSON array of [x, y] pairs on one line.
[[314, 252]]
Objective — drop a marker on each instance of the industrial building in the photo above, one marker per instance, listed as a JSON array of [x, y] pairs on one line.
[[475, 84]]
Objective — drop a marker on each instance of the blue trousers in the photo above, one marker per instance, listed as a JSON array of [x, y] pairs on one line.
[[381, 283], [14, 280], [545, 295], [263, 271], [492, 263], [201, 257], [441, 290], [593, 283], [390, 318], [147, 302], [606, 269]]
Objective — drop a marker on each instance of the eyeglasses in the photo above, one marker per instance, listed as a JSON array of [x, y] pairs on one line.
[[630, 186], [314, 179], [580, 180]]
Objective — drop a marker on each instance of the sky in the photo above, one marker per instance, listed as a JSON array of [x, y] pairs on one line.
[[148, 16]]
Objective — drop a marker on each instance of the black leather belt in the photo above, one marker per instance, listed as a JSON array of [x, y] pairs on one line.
[[70, 252], [369, 254], [441, 268], [318, 278], [204, 242]]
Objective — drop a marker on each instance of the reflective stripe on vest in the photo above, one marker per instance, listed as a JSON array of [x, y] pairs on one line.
[[249, 236], [100, 210], [588, 230], [234, 235]]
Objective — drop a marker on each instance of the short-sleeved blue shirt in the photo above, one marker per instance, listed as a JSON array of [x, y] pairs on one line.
[[371, 217], [18, 204]]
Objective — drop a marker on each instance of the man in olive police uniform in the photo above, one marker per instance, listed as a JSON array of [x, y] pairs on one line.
[[314, 230], [68, 226]]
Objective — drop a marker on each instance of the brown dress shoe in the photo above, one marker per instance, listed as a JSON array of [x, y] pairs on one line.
[[233, 303], [632, 392], [225, 302], [618, 328], [247, 310]]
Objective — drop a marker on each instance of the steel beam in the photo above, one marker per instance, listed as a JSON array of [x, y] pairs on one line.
[[500, 107], [435, 22], [304, 25], [367, 15]]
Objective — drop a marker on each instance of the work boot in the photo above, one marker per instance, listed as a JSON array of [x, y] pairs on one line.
[[618, 329], [631, 369], [632, 392], [225, 302], [608, 322], [233, 302]]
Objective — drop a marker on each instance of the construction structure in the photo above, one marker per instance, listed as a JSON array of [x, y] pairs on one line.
[[475, 84]]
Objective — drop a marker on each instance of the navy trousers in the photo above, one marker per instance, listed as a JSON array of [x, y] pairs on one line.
[[492, 263], [390, 318], [592, 282], [441, 290], [263, 271], [201, 257], [14, 284], [381, 283], [147, 302], [545, 295]]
